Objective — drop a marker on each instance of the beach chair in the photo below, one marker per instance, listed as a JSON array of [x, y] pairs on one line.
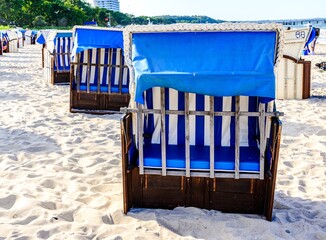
[[57, 57], [20, 40], [99, 76], [4, 41], [0, 43], [12, 37], [30, 37], [41, 39], [202, 129], [294, 73], [23, 32]]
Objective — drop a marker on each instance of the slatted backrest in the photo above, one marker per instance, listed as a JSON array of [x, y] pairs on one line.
[[104, 68], [224, 129], [63, 46]]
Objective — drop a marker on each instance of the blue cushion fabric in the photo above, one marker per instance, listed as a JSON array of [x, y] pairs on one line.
[[63, 45], [109, 74], [224, 132], [199, 157]]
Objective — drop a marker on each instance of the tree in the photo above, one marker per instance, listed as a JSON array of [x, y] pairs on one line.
[[35, 13], [11, 11], [39, 21]]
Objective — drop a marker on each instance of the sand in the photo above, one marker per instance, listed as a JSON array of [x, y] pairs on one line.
[[60, 173]]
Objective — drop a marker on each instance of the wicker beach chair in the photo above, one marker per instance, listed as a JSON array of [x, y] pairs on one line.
[[57, 57], [201, 129], [294, 73], [99, 76]]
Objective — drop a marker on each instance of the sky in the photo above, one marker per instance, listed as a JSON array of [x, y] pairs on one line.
[[242, 10]]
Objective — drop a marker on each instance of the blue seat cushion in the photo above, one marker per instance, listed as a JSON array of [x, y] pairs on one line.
[[199, 157], [61, 68]]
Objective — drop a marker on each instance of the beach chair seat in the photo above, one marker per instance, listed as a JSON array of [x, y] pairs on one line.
[[224, 133], [201, 129], [100, 77]]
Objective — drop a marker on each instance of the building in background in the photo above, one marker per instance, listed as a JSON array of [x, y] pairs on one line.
[[113, 5]]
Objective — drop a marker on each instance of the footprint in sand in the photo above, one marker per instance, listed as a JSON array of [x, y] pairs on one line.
[[48, 184], [26, 221], [43, 234], [67, 215], [49, 205], [321, 133], [114, 162], [8, 202]]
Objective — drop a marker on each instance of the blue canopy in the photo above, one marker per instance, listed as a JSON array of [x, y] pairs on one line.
[[44, 34], [210, 63], [3, 34], [53, 36], [30, 33], [88, 38], [40, 39], [312, 36]]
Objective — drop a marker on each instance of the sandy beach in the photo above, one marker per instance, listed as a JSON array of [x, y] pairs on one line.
[[60, 173]]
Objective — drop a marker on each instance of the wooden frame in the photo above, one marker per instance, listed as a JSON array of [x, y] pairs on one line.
[[301, 81], [96, 102], [225, 194], [43, 57], [52, 73], [60, 76], [149, 183]]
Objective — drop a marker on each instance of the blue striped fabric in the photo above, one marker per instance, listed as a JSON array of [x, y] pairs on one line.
[[224, 130], [110, 74], [63, 46]]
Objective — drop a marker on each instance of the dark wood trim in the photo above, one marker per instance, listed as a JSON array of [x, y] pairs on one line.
[[252, 196], [306, 90], [276, 141], [97, 103], [43, 49]]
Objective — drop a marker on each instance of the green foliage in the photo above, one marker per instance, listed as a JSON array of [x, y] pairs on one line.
[[4, 27], [39, 21], [65, 13]]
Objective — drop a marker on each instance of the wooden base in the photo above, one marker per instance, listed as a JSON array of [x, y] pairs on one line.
[[60, 78], [306, 75], [168, 192], [97, 103], [252, 196]]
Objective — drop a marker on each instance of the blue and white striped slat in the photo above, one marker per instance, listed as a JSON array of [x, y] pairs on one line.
[[224, 130], [113, 74], [63, 49]]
